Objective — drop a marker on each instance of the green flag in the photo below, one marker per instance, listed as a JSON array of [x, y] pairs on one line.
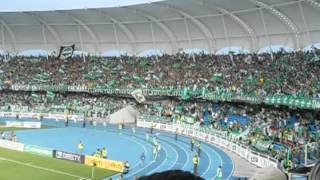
[[112, 83], [138, 79], [50, 95], [185, 93], [42, 77], [144, 63], [216, 77], [36, 97], [177, 66]]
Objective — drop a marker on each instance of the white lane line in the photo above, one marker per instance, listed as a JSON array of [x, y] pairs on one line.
[[186, 152], [206, 152], [43, 168], [136, 172], [188, 158], [143, 147], [177, 155], [166, 155], [221, 161]]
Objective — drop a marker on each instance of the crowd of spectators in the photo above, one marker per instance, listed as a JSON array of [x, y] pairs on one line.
[[271, 130], [295, 73]]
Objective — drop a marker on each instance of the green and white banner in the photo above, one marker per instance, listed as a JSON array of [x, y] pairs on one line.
[[38, 150], [66, 52]]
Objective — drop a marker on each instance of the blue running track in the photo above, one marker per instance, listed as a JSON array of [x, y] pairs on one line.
[[128, 146]]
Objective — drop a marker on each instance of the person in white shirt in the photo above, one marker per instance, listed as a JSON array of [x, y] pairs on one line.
[[219, 173]]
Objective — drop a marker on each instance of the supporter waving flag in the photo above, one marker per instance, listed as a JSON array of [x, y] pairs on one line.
[[50, 95], [66, 52]]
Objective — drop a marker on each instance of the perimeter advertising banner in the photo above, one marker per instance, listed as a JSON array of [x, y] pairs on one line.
[[11, 145], [68, 156], [32, 125], [38, 150], [117, 166], [243, 151]]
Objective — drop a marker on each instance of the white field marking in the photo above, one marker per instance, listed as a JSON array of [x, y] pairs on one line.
[[43, 168]]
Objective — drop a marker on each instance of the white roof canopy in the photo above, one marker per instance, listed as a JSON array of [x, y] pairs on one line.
[[170, 26]]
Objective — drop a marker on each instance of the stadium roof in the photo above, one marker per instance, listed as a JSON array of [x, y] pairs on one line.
[[170, 26]]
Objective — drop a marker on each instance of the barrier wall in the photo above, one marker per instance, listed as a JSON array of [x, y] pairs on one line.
[[24, 124], [68, 156], [117, 166], [37, 115], [259, 160], [41, 151], [11, 145]]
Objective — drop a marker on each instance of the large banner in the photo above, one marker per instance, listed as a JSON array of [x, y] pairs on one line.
[[117, 166], [68, 156]]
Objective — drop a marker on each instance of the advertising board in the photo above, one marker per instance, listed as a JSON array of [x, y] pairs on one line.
[[117, 166], [42, 151], [68, 156], [11, 145]]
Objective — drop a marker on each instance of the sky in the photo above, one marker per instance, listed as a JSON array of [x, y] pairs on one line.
[[40, 5]]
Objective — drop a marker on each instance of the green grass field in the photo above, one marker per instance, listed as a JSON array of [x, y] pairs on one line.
[[16, 165]]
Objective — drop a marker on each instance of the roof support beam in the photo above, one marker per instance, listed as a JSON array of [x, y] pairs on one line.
[[44, 37], [11, 33], [305, 22], [49, 27], [3, 40], [152, 36], [266, 33], [123, 27], [189, 38], [87, 28], [163, 26], [313, 3], [115, 34], [244, 25], [226, 34], [207, 33], [283, 18], [235, 18]]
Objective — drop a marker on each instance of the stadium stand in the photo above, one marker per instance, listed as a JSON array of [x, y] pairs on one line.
[[265, 103]]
